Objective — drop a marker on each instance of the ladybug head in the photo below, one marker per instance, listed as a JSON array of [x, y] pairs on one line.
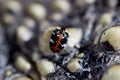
[[62, 29]]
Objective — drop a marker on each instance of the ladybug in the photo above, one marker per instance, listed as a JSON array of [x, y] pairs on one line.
[[58, 40]]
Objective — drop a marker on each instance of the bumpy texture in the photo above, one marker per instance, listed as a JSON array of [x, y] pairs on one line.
[[86, 51]]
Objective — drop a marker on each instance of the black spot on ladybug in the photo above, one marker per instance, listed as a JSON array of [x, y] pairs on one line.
[[64, 41], [54, 37], [56, 31], [52, 44], [60, 47]]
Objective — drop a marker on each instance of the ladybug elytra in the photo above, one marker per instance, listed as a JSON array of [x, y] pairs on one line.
[[58, 40]]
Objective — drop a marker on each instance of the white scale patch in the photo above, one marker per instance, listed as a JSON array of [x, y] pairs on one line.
[[51, 41]]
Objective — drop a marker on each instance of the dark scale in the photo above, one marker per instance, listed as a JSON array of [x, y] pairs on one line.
[[61, 74], [85, 65], [106, 59], [97, 70], [85, 74], [103, 59]]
